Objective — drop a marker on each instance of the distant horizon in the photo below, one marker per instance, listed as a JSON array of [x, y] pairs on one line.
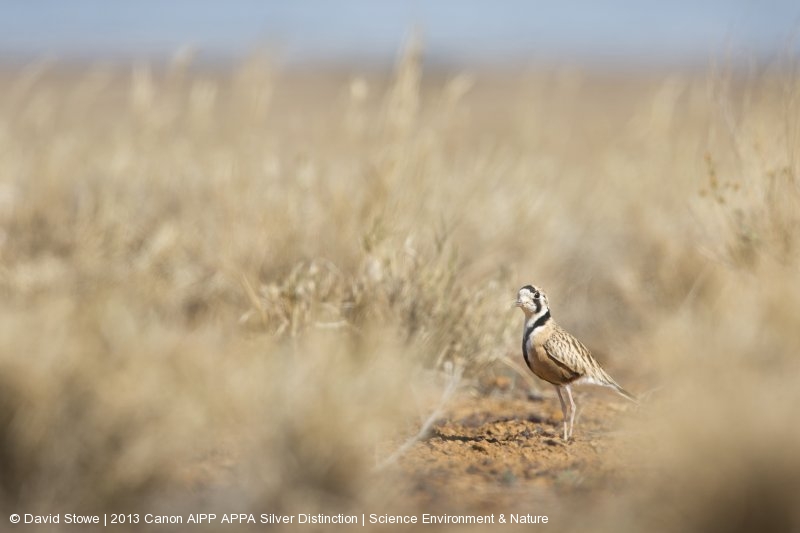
[[370, 34]]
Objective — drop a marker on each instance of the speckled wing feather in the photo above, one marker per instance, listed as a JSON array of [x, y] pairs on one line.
[[567, 351]]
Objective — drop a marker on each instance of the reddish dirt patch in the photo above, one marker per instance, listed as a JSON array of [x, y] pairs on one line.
[[488, 452]]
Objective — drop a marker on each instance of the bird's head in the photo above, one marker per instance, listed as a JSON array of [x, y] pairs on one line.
[[532, 300]]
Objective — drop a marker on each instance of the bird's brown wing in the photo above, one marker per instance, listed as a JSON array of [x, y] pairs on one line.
[[563, 349], [569, 354]]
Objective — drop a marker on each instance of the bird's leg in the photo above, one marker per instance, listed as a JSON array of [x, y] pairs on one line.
[[571, 410], [563, 409]]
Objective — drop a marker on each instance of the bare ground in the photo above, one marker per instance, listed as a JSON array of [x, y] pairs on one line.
[[492, 452]]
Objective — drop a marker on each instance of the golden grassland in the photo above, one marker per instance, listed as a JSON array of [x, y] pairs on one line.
[[226, 289]]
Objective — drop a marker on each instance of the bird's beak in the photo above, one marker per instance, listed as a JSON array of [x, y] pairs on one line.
[[515, 303]]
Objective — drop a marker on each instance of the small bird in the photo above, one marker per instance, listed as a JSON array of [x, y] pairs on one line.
[[556, 356]]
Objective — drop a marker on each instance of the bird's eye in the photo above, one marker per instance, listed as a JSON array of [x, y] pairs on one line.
[[536, 294]]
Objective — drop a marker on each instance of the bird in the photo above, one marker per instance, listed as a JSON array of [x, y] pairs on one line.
[[557, 357]]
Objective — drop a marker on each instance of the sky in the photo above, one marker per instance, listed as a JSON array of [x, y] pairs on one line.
[[477, 31]]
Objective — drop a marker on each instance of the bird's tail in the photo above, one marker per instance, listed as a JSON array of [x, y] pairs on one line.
[[625, 394], [603, 378]]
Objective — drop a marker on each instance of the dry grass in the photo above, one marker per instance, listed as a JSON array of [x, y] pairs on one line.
[[230, 286]]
